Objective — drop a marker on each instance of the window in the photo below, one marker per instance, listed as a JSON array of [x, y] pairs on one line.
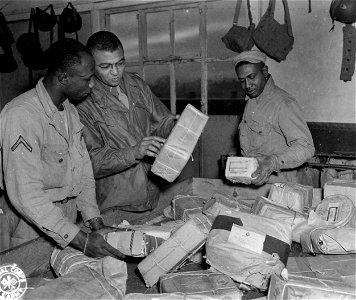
[[177, 48]]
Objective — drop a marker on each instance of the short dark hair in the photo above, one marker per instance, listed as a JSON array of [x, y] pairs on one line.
[[103, 40], [64, 54], [244, 62]]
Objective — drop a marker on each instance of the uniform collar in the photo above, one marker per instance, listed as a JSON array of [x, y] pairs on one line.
[[45, 99], [267, 91], [53, 113]]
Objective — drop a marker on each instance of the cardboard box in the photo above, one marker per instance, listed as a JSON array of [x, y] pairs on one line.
[[240, 169], [199, 283], [176, 250], [180, 144], [342, 187], [300, 287], [184, 207], [330, 267]]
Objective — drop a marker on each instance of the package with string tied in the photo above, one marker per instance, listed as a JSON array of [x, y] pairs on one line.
[[140, 240], [180, 144], [201, 283], [185, 207], [292, 195], [267, 208], [221, 202], [240, 169], [172, 253]]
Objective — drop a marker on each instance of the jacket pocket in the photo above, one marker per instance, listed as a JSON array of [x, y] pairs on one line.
[[55, 160], [260, 134]]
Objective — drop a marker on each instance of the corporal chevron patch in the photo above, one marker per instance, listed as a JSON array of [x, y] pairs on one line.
[[22, 141]]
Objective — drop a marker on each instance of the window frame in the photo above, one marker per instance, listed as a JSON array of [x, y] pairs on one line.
[[172, 59]]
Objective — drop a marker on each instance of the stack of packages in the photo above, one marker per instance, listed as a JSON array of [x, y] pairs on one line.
[[242, 249], [247, 248], [326, 227]]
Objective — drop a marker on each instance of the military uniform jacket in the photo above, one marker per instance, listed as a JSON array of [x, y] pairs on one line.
[[272, 124], [111, 131], [43, 163]]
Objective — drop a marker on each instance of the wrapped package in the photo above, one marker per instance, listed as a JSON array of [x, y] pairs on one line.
[[203, 283], [82, 277], [335, 210], [329, 240], [175, 296], [332, 267], [133, 243], [269, 209], [240, 169], [180, 144], [207, 187], [184, 207], [292, 195], [300, 287], [248, 248], [220, 203], [342, 187], [172, 253]]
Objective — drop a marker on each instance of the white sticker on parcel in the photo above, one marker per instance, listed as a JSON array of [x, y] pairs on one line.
[[247, 239]]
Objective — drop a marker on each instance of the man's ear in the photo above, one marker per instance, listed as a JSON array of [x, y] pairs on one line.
[[265, 71], [63, 77]]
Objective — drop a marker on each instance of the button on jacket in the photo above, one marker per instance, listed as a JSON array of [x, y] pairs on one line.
[[272, 124], [111, 131], [43, 163]]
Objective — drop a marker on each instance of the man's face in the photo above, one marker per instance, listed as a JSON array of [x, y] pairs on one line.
[[253, 78], [80, 78], [109, 66]]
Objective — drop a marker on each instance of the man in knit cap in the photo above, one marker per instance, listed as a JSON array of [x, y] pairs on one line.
[[272, 128]]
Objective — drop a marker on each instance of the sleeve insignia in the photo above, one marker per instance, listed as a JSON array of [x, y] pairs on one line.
[[22, 141]]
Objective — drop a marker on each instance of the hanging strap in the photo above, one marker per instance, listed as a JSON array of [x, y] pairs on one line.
[[237, 12], [270, 11], [287, 18], [32, 21], [249, 12], [53, 15]]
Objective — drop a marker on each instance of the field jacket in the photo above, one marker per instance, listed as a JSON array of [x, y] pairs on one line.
[[272, 124], [111, 131], [43, 163]]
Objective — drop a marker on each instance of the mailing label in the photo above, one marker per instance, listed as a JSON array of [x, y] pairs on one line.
[[247, 239], [332, 212]]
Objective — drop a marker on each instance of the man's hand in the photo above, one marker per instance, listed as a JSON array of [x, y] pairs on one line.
[[266, 166], [94, 244], [150, 146]]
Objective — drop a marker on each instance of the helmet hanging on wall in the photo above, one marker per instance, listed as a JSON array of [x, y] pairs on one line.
[[343, 11], [45, 21], [70, 20]]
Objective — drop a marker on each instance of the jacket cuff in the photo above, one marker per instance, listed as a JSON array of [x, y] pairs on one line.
[[63, 233]]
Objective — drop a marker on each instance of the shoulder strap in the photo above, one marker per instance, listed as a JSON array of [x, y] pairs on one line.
[[237, 11], [249, 12], [271, 8], [287, 20], [53, 15]]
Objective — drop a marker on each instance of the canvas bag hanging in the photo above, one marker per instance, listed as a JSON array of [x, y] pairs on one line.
[[275, 39], [238, 38], [46, 21]]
